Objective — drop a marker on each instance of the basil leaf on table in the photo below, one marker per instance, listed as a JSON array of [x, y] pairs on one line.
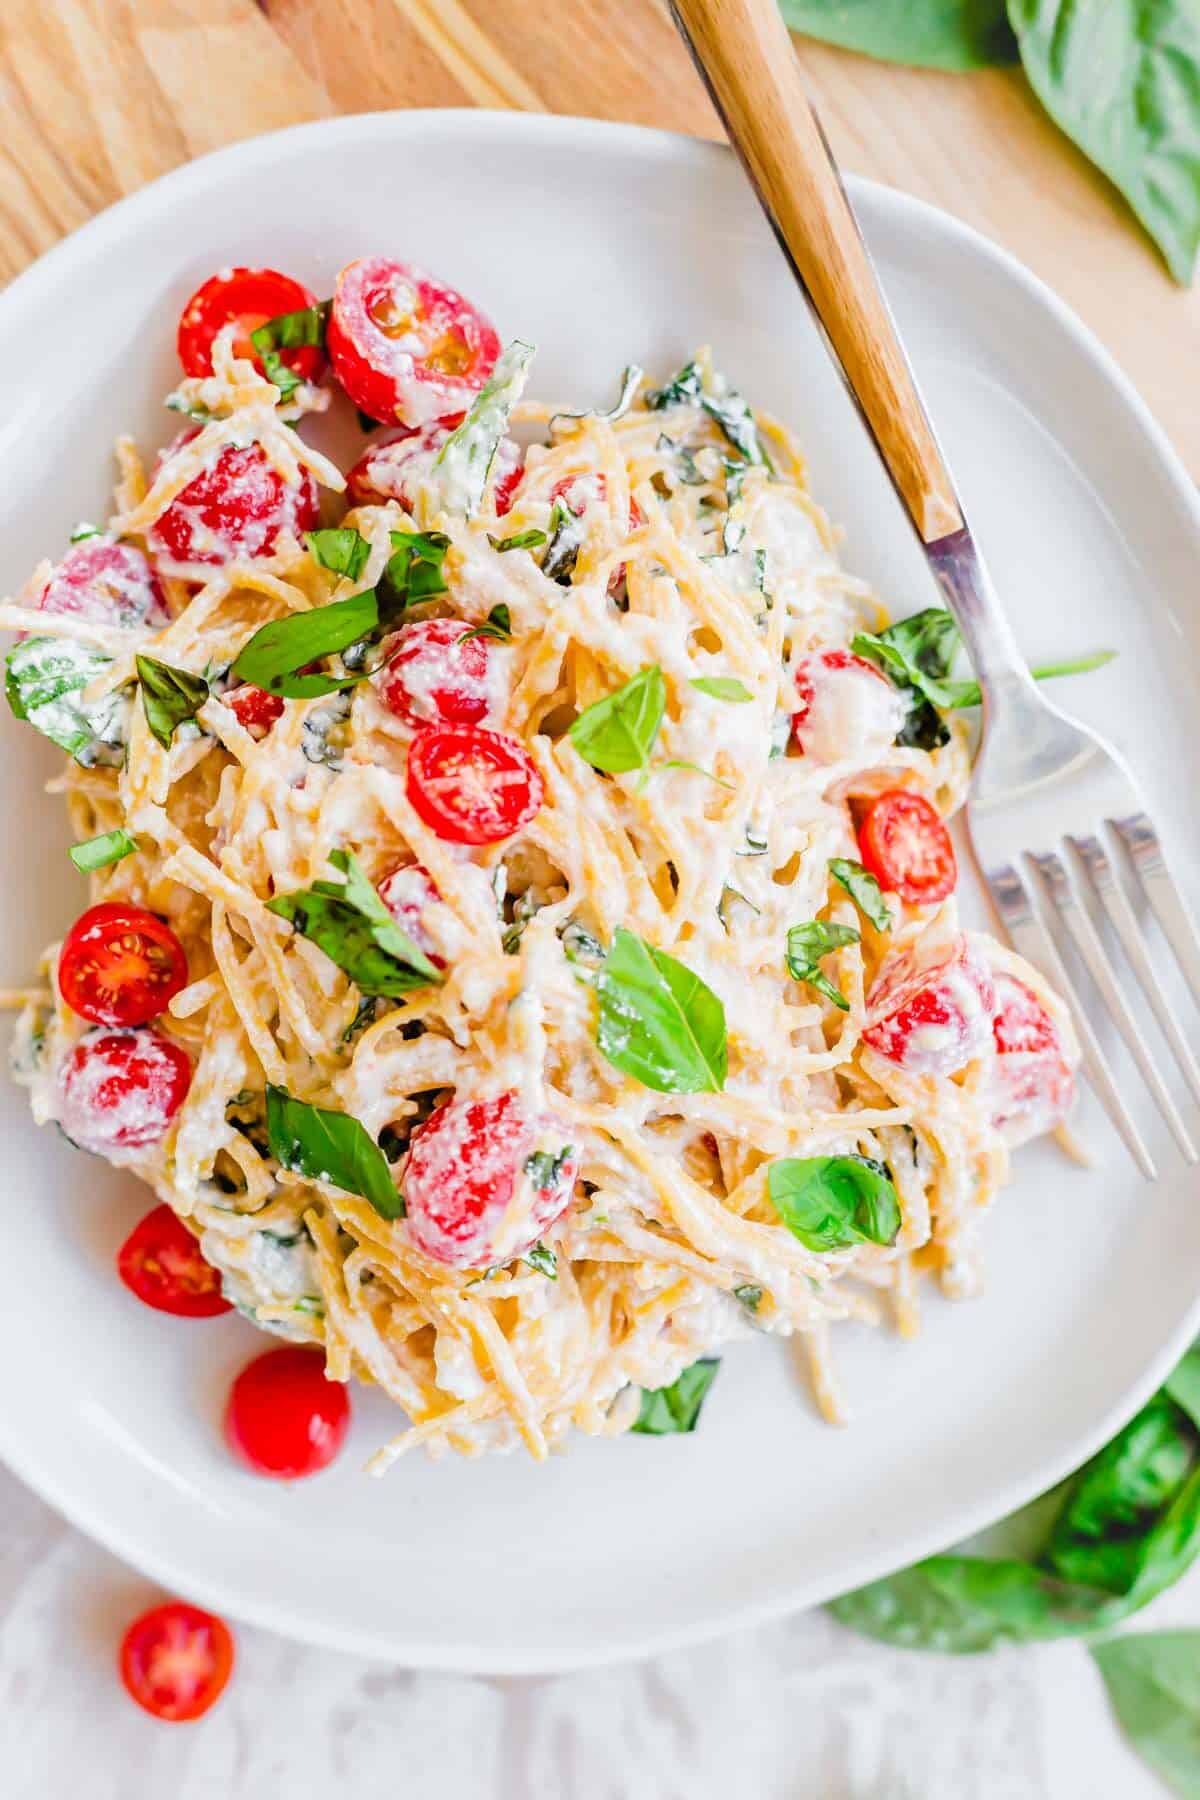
[[834, 1202], [863, 889], [658, 1021], [1153, 1682], [930, 34], [273, 657], [339, 548], [170, 697], [959, 1605], [351, 924], [289, 331], [807, 944], [616, 734], [722, 687], [44, 681], [99, 852], [665, 1412], [1123, 81], [332, 1147], [460, 469]]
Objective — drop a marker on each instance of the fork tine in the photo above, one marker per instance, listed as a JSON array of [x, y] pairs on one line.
[[1083, 932], [1031, 940], [1138, 835], [1123, 919]]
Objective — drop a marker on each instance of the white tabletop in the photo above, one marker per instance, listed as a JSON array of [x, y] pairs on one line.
[[798, 1711]]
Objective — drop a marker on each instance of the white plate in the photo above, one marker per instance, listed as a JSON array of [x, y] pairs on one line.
[[604, 244]]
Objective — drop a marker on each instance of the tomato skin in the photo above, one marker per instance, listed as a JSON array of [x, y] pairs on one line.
[[108, 582], [246, 298], [395, 468], [471, 785], [403, 346], [254, 708], [1030, 1087], [284, 1417], [843, 699], [436, 673], [161, 1263], [460, 1174], [235, 507], [930, 1009], [119, 1090], [120, 965], [406, 891], [904, 844], [175, 1661]]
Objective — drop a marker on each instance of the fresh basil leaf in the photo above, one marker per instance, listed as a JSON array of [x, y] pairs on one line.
[[289, 331], [566, 541], [722, 687], [99, 852], [520, 540], [658, 1021], [750, 1296], [273, 657], [544, 1167], [687, 471], [665, 1412], [631, 377], [723, 404], [863, 889], [460, 469], [1123, 82], [930, 34], [497, 625], [170, 697], [807, 944], [962, 1604], [44, 681], [350, 923], [1153, 1683], [539, 1256], [616, 734], [834, 1202], [339, 548], [331, 1147], [414, 571], [967, 693]]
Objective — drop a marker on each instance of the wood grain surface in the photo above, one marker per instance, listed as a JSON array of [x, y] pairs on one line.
[[99, 96]]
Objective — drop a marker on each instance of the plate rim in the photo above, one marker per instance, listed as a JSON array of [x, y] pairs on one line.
[[1168, 470]]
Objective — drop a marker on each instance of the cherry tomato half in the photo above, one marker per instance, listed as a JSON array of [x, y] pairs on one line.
[[120, 965], [235, 507], [284, 1416], [395, 468], [843, 699], [407, 892], [160, 1261], [438, 672], [405, 348], [470, 785], [107, 582], [930, 1010], [1030, 1086], [254, 708], [119, 1090], [462, 1172], [246, 298], [175, 1660], [907, 848]]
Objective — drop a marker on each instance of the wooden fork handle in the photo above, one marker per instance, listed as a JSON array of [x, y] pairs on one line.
[[745, 55]]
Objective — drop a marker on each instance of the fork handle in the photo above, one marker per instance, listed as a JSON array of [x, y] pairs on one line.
[[743, 52]]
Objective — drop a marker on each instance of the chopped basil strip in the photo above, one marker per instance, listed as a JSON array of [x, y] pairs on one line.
[[289, 331], [460, 469], [532, 539], [616, 734], [539, 1256], [834, 1202], [330, 1147], [658, 1021], [84, 530], [566, 541], [807, 944], [414, 570], [98, 852], [722, 687], [44, 680], [273, 657], [678, 762], [670, 1410], [170, 697], [350, 923], [545, 1168], [498, 625], [863, 889], [723, 404], [631, 377], [340, 548], [967, 693], [749, 1295]]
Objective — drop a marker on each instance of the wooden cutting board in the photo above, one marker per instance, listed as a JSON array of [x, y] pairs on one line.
[[99, 96]]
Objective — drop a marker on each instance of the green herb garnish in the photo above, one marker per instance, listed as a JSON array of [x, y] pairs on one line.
[[658, 1021], [98, 852], [834, 1202], [807, 944], [354, 928], [339, 548], [863, 889], [289, 331], [170, 697], [722, 687], [331, 1147], [668, 1411], [616, 734]]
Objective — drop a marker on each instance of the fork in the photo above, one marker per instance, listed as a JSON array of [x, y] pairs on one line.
[[1054, 811]]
